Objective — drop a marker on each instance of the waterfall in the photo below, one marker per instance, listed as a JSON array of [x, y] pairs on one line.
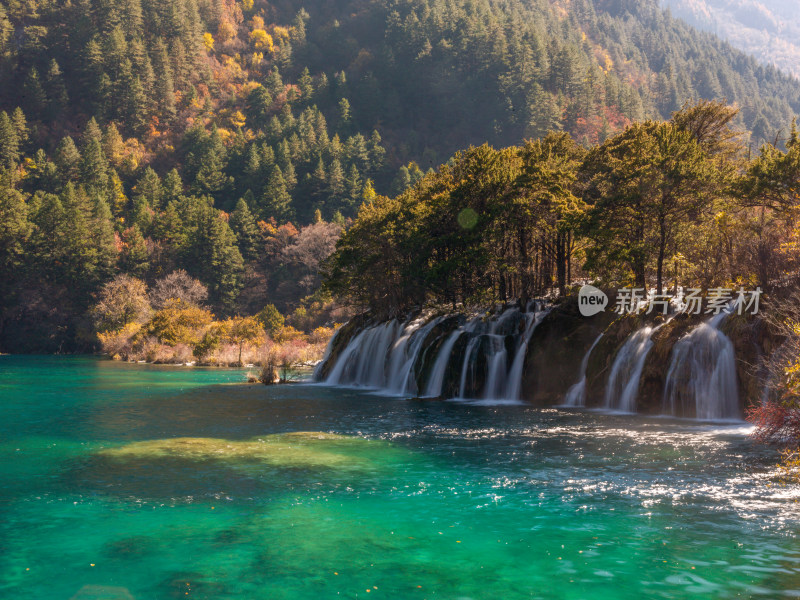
[[403, 381], [515, 375], [496, 368], [576, 394], [363, 361], [623, 382], [387, 356], [702, 375], [433, 389], [468, 365], [328, 349]]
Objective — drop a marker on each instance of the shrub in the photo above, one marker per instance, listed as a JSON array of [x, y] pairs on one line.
[[321, 335], [179, 323], [286, 334], [117, 343]]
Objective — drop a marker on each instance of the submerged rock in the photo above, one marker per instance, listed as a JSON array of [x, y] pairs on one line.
[[300, 449]]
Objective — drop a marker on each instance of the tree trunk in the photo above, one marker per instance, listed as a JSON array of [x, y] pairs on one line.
[[662, 245], [561, 263]]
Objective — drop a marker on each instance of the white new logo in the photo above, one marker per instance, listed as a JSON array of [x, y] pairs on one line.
[[591, 300]]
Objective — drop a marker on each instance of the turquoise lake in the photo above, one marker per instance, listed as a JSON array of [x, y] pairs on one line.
[[125, 481]]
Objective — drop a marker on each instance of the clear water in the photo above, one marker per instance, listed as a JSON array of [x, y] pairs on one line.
[[414, 499]]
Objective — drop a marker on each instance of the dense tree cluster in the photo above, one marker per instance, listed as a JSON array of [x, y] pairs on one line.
[[659, 204], [210, 135]]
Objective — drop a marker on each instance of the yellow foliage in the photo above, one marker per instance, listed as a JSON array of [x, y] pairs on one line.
[[237, 119], [179, 323], [287, 333], [368, 194], [113, 342], [225, 31], [247, 5], [257, 23], [261, 40], [234, 68], [118, 200], [321, 335], [208, 41], [281, 33], [257, 58]]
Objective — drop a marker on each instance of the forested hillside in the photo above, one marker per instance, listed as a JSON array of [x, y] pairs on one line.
[[767, 29], [235, 139]]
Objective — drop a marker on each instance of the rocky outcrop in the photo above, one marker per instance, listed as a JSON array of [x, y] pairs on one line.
[[556, 350], [559, 341]]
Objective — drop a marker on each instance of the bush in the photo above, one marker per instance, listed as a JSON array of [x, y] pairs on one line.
[[287, 334], [321, 335], [179, 323], [117, 343]]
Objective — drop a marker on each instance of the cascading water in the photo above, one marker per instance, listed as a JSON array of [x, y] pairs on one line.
[[386, 356], [382, 357], [623, 382], [496, 368], [363, 361], [433, 389], [515, 374], [576, 394], [402, 381], [701, 380]]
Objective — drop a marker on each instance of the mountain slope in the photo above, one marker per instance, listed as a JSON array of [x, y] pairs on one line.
[[767, 29]]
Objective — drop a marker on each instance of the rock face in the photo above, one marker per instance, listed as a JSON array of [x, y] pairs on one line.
[[480, 351], [556, 350]]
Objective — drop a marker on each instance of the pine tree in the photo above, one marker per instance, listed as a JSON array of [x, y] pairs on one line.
[[9, 142], [335, 178], [252, 167], [306, 85], [14, 232], [356, 151], [259, 103], [67, 159], [172, 187], [164, 85], [344, 116], [402, 181], [141, 214], [274, 83], [113, 145], [134, 259], [215, 258], [319, 178], [103, 239], [55, 90], [353, 185], [34, 95], [93, 166], [244, 226], [377, 154], [274, 129], [20, 126], [277, 202], [149, 187]]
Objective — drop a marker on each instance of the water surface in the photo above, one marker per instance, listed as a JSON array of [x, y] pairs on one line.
[[136, 481]]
